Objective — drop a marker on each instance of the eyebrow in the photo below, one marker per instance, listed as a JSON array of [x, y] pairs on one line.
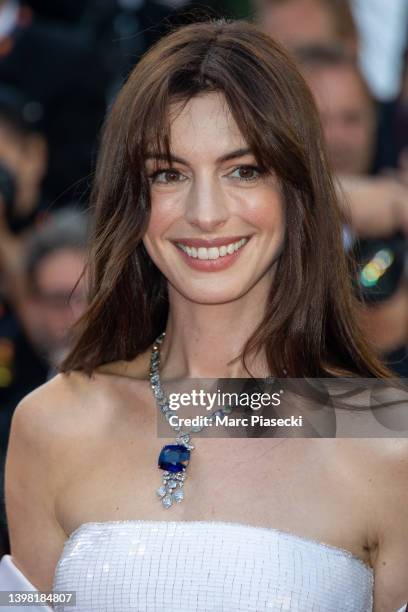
[[223, 158]]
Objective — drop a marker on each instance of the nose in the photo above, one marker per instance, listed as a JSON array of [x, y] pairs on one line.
[[206, 206]]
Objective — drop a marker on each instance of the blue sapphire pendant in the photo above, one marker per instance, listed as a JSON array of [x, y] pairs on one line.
[[173, 459]]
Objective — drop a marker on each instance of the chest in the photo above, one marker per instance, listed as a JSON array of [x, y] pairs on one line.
[[309, 487], [287, 484]]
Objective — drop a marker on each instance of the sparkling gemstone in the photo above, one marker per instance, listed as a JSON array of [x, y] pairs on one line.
[[158, 393], [178, 495], [172, 484], [173, 457], [183, 438], [167, 501], [161, 492]]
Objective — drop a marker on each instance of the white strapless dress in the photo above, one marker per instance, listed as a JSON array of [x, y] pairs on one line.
[[203, 566]]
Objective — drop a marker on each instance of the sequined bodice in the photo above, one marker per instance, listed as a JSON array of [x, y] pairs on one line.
[[191, 566]]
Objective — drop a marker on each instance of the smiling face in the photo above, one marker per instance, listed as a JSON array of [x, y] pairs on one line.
[[217, 222]]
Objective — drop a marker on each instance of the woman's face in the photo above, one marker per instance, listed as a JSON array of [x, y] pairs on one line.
[[217, 224]]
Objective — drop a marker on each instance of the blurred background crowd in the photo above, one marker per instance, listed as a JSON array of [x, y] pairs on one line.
[[61, 64]]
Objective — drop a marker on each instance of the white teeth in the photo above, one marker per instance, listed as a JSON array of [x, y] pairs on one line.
[[213, 252]]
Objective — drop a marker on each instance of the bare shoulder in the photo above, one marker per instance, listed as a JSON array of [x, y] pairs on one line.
[[386, 460], [59, 390], [75, 406], [377, 459], [54, 432], [372, 447], [34, 469], [77, 401], [389, 512], [45, 427], [51, 407], [377, 468], [58, 431]]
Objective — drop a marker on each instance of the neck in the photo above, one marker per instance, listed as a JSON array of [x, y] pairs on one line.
[[202, 338]]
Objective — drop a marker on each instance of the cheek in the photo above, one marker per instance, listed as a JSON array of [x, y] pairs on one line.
[[266, 211], [164, 213], [155, 229], [162, 219]]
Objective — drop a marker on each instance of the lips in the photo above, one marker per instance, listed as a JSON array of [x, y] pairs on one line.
[[210, 258]]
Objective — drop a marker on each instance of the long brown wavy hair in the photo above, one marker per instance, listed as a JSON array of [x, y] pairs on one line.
[[309, 327]]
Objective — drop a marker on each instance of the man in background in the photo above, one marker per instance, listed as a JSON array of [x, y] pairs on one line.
[[350, 124], [54, 283], [23, 165], [47, 292], [346, 107], [297, 23]]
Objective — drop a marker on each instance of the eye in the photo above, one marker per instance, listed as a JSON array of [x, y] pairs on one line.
[[246, 173], [166, 176]]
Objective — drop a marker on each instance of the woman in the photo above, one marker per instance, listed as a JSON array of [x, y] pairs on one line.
[[216, 222]]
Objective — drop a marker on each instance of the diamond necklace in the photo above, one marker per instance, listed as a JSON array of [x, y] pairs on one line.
[[173, 458]]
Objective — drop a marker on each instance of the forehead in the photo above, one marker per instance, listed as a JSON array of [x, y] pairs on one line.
[[204, 125], [299, 22], [337, 86]]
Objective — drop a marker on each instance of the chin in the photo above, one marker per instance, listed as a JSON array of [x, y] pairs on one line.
[[210, 294]]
